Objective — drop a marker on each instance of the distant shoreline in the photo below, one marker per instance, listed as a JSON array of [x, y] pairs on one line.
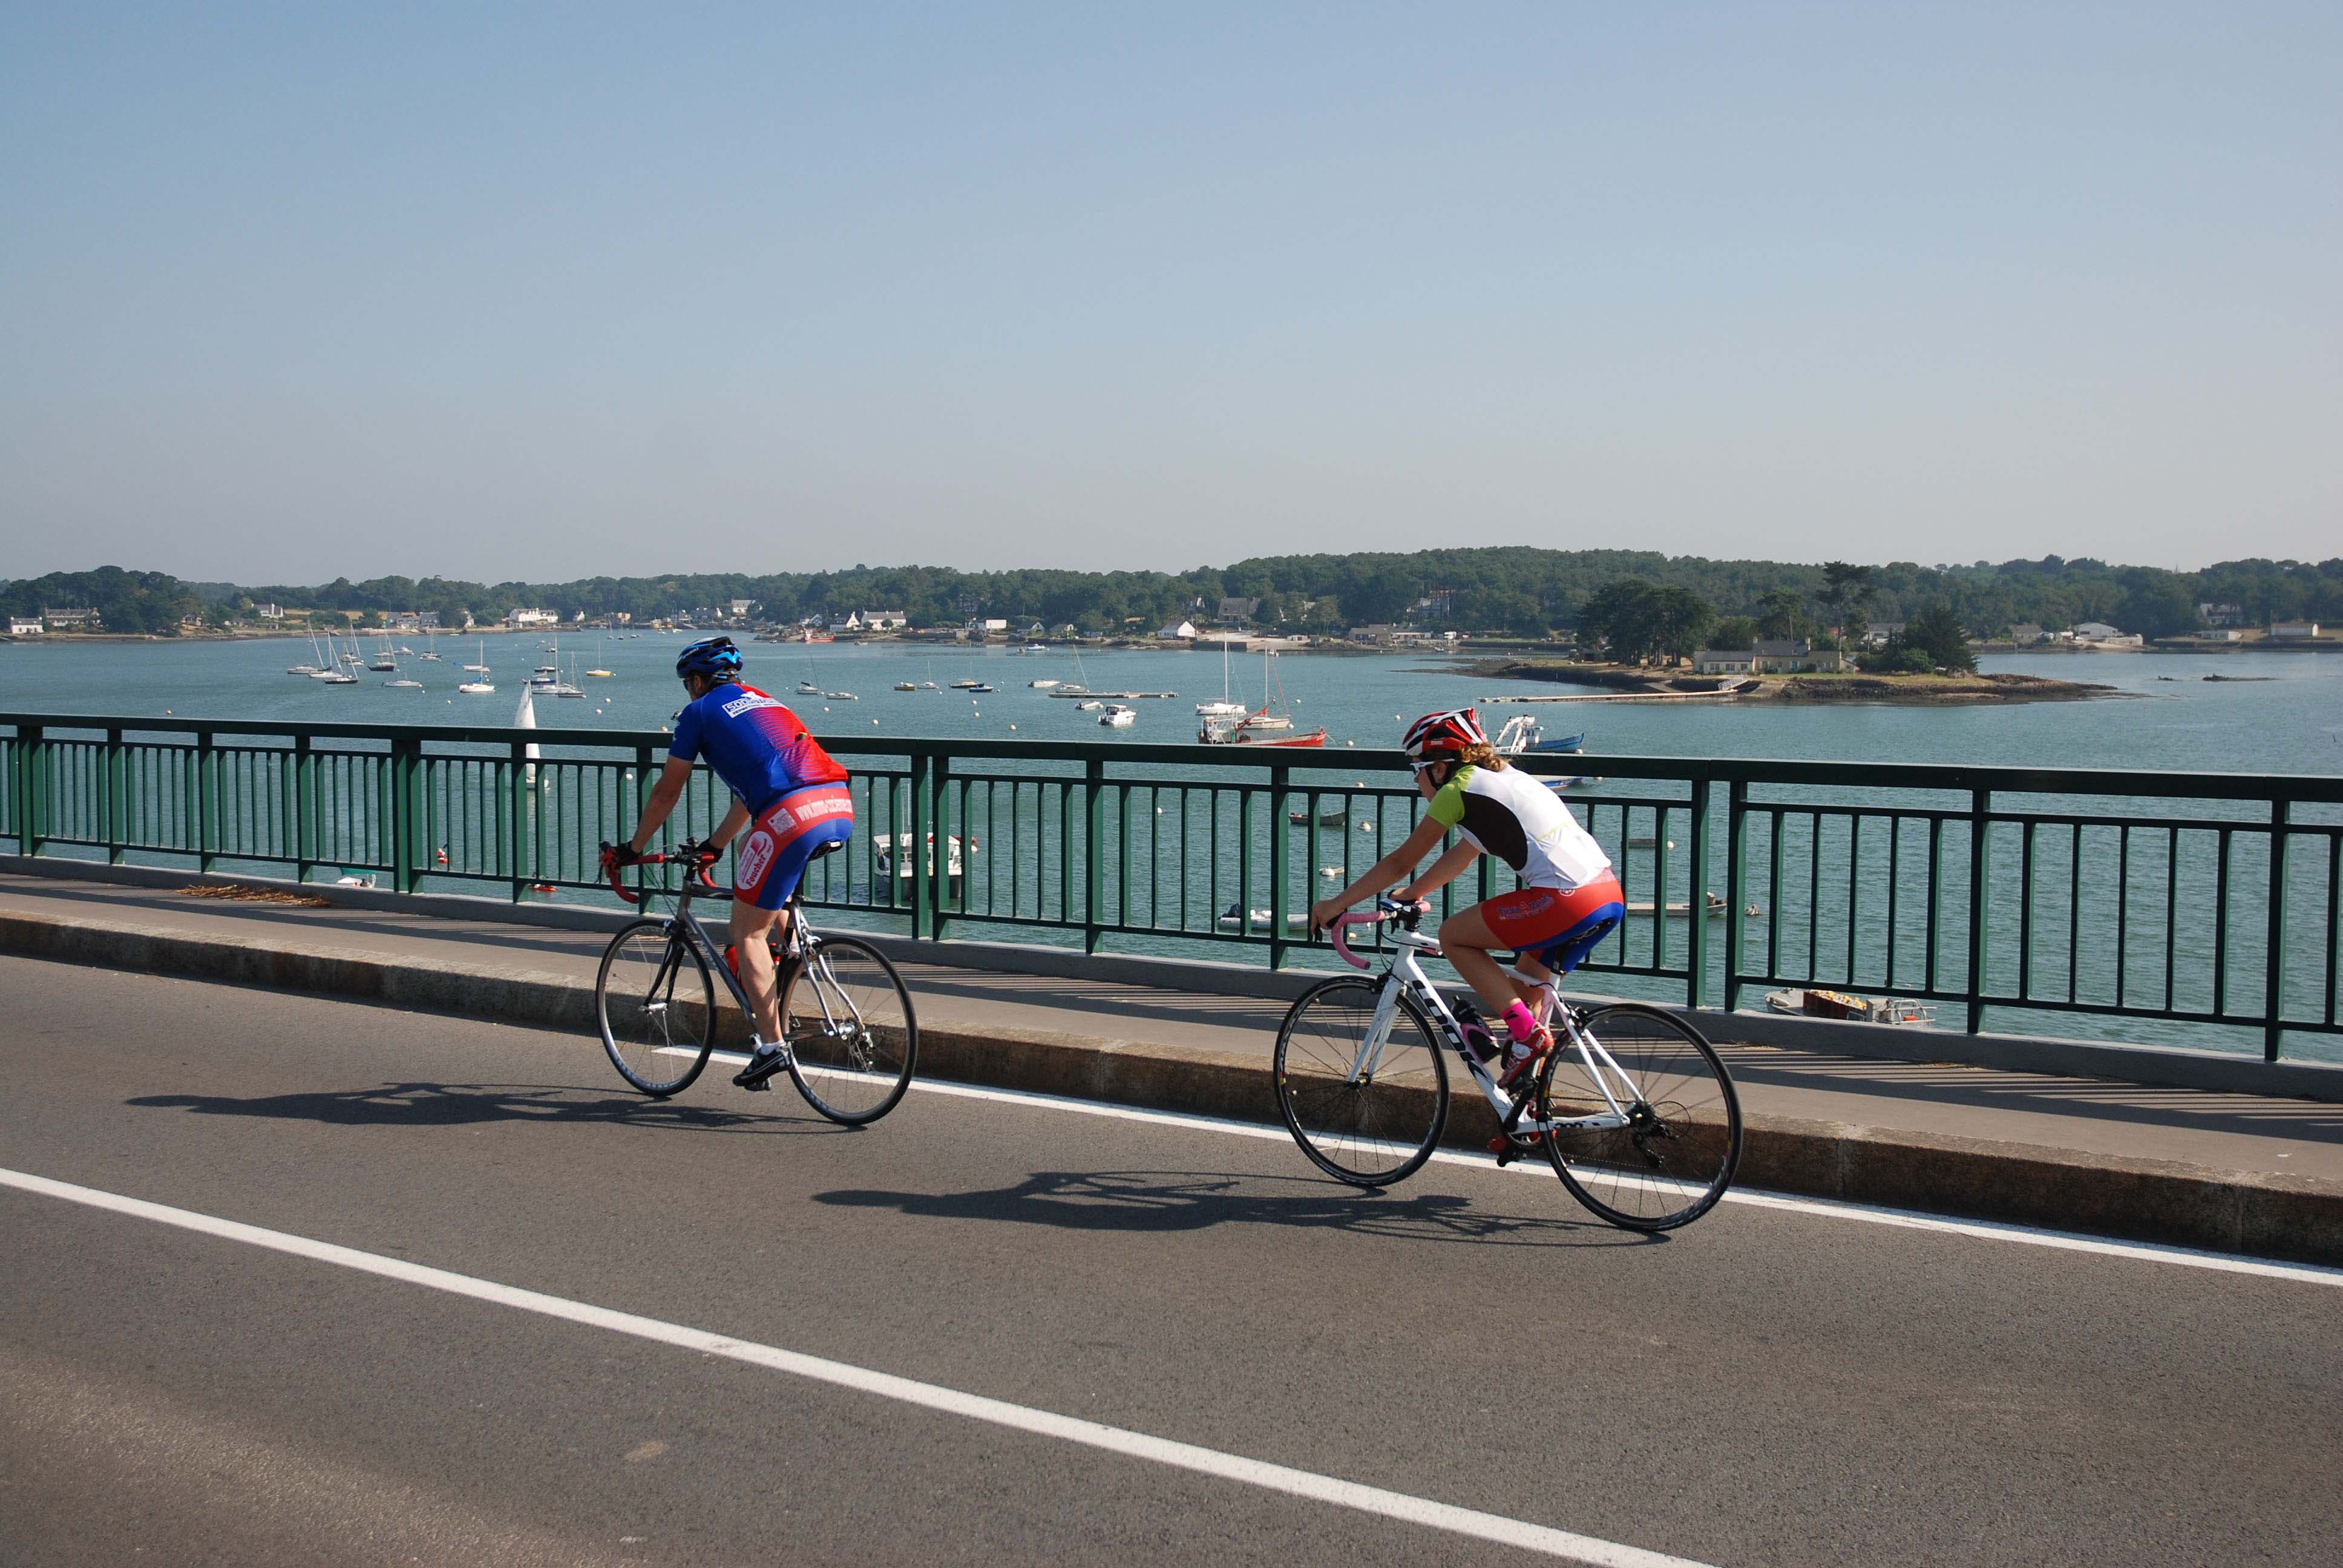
[[1919, 690]]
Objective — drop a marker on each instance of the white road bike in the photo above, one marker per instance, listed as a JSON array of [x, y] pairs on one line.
[[1632, 1107]]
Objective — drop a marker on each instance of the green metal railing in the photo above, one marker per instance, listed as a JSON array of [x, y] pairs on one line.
[[2188, 899]]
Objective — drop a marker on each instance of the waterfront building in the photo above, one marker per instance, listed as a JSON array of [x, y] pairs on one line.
[[1725, 661], [2294, 630], [2221, 614], [885, 620], [522, 620], [1177, 631], [23, 626], [69, 620], [1791, 656]]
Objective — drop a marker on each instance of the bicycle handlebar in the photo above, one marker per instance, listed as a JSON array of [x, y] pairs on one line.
[[1385, 909], [699, 862]]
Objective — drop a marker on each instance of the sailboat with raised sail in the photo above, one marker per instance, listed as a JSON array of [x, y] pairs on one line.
[[1271, 725], [479, 685], [1227, 706], [331, 672]]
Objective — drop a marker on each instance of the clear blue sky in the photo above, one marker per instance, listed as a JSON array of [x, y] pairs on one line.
[[490, 291]]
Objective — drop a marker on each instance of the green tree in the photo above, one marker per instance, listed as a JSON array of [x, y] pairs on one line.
[[1847, 589], [1782, 613], [1936, 634], [1734, 631]]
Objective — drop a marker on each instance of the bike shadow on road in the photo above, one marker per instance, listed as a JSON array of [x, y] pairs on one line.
[[1166, 1201], [474, 1104]]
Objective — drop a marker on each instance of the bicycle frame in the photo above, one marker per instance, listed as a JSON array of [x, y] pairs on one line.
[[686, 925], [1406, 976]]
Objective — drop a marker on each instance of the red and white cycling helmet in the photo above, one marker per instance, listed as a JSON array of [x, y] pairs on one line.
[[1437, 735]]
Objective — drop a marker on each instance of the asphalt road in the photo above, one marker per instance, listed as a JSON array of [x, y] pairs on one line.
[[1769, 1386]]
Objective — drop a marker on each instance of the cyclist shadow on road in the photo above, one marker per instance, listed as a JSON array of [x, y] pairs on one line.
[[470, 1104], [1186, 1201]]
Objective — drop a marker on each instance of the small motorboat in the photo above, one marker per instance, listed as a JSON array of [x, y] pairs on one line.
[[1042, 685], [906, 686], [841, 697], [1118, 716], [1812, 1002]]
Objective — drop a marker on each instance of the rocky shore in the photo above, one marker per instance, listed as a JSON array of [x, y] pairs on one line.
[[1995, 686]]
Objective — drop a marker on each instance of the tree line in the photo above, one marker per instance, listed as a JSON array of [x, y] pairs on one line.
[[1513, 589]]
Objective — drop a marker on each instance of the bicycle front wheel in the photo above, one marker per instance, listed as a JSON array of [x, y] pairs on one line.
[[1675, 1156], [1366, 1116], [657, 1006], [852, 1036]]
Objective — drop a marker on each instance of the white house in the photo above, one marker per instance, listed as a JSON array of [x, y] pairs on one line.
[[740, 607], [885, 620], [2093, 631], [1876, 633], [1788, 656], [268, 611], [2027, 633], [529, 617], [2294, 630], [56, 619], [1725, 661], [23, 626], [853, 622], [1177, 631]]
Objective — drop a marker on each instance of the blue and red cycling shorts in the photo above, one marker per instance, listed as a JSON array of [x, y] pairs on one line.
[[1560, 927], [785, 836]]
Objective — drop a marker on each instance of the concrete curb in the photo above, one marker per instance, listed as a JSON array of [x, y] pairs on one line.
[[2297, 1218], [2176, 1066]]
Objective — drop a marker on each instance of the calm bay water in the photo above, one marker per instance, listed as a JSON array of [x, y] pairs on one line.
[[2168, 716]]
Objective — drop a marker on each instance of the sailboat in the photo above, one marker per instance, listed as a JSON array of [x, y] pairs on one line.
[[430, 654], [1227, 706], [1267, 726], [600, 674], [383, 657], [305, 668], [566, 687], [479, 685], [397, 679], [332, 673]]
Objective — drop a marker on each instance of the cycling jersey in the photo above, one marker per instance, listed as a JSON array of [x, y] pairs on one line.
[[755, 744], [1508, 814]]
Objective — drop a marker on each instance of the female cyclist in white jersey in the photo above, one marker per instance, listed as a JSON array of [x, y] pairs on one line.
[[1572, 899]]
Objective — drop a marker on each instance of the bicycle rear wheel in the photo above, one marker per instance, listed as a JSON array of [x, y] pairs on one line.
[[657, 1005], [1373, 1129], [1675, 1157], [852, 1036]]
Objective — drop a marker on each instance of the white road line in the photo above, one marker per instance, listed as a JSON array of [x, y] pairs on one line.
[[1902, 1219], [1304, 1484]]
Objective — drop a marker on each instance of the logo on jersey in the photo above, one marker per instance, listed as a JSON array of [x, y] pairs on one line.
[[755, 859], [740, 705]]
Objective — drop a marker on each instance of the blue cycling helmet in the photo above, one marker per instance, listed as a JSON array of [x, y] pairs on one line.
[[714, 658]]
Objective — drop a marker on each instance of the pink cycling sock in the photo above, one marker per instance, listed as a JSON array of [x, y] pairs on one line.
[[1519, 1020]]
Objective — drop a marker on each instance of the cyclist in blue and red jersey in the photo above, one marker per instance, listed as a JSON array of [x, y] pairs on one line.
[[789, 794]]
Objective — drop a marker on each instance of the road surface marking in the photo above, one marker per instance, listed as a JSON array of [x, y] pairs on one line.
[[1304, 1484], [1824, 1208]]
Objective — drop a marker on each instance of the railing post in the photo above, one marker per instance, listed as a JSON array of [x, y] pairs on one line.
[[1698, 992], [940, 869], [2274, 961], [406, 769], [1980, 873], [1093, 843], [1280, 847], [31, 786], [304, 808], [206, 801], [644, 781], [1737, 885], [516, 803], [116, 814], [912, 848]]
